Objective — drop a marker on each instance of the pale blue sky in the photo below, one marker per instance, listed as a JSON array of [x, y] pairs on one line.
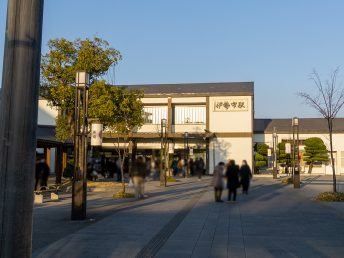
[[274, 43]]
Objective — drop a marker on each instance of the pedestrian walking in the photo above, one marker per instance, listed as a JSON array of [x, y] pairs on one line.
[[200, 168], [233, 183], [218, 181], [42, 174], [118, 170], [138, 174], [180, 165], [245, 176]]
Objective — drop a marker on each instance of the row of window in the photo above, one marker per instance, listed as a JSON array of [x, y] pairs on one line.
[[180, 114]]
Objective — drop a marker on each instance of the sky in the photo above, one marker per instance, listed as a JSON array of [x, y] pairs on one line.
[[274, 43]]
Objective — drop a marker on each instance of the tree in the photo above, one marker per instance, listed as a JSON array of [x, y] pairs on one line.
[[261, 156], [328, 102], [315, 151], [282, 157], [58, 68], [120, 111]]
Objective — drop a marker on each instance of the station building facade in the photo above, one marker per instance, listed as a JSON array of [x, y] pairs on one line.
[[209, 120], [217, 118]]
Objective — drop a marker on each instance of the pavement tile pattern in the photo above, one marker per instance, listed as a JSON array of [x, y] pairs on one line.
[[274, 220]]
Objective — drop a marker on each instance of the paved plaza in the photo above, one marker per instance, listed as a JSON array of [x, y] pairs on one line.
[[183, 220]]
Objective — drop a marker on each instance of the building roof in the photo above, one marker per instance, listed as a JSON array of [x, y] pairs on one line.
[[46, 134], [306, 125], [234, 88]]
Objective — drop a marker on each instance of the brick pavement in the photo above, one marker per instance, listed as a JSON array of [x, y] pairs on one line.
[[274, 220]]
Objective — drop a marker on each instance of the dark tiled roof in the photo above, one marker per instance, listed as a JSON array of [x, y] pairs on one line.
[[195, 88], [46, 133], [306, 125]]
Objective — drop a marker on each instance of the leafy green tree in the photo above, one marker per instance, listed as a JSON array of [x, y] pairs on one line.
[[261, 156], [120, 111], [315, 151], [282, 156], [58, 68]]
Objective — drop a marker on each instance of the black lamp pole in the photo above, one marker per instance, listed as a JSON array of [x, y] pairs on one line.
[[186, 135], [274, 140], [296, 178], [79, 187], [163, 135]]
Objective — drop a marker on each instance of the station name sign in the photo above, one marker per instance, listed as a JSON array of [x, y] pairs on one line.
[[230, 105]]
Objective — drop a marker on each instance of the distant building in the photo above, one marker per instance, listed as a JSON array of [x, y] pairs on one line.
[[308, 127]]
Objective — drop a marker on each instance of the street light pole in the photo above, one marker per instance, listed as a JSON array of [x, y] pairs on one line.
[[79, 187], [274, 140], [186, 138], [296, 178], [163, 135], [18, 123]]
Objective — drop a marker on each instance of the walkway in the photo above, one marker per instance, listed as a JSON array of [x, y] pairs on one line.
[[274, 220]]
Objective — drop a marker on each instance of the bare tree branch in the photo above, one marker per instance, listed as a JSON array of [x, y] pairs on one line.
[[328, 103]]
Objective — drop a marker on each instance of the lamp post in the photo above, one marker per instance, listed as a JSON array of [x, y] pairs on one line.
[[296, 169], [80, 146], [163, 138], [186, 142], [274, 142]]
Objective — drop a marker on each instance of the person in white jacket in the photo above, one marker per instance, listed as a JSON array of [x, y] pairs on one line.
[[218, 181]]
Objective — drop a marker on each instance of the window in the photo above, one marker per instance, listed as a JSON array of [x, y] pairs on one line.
[[189, 115], [153, 115]]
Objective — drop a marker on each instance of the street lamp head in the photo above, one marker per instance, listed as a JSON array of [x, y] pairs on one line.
[[82, 79], [295, 121], [274, 131], [163, 122]]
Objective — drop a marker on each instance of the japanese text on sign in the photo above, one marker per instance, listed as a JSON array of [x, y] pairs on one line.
[[231, 105]]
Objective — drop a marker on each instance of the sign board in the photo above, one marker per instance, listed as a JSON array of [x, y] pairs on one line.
[[96, 134], [269, 153], [231, 105], [171, 148], [288, 148], [191, 151]]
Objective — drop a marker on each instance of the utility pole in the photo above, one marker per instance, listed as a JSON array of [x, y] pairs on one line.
[[18, 122]]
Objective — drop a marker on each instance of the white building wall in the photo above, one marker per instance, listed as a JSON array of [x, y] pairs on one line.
[[230, 121], [154, 100], [189, 100], [46, 114], [226, 122], [224, 149]]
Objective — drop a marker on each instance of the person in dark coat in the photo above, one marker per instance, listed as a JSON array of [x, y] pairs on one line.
[[199, 167], [245, 176], [232, 175], [138, 174], [42, 174]]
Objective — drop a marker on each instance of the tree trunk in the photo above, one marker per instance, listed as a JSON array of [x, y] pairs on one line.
[[332, 158]]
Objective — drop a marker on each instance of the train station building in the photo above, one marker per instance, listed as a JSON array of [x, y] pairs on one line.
[[214, 121]]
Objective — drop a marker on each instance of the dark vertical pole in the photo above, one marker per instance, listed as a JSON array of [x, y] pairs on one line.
[[293, 154], [59, 163], [18, 122], [79, 195], [187, 156]]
